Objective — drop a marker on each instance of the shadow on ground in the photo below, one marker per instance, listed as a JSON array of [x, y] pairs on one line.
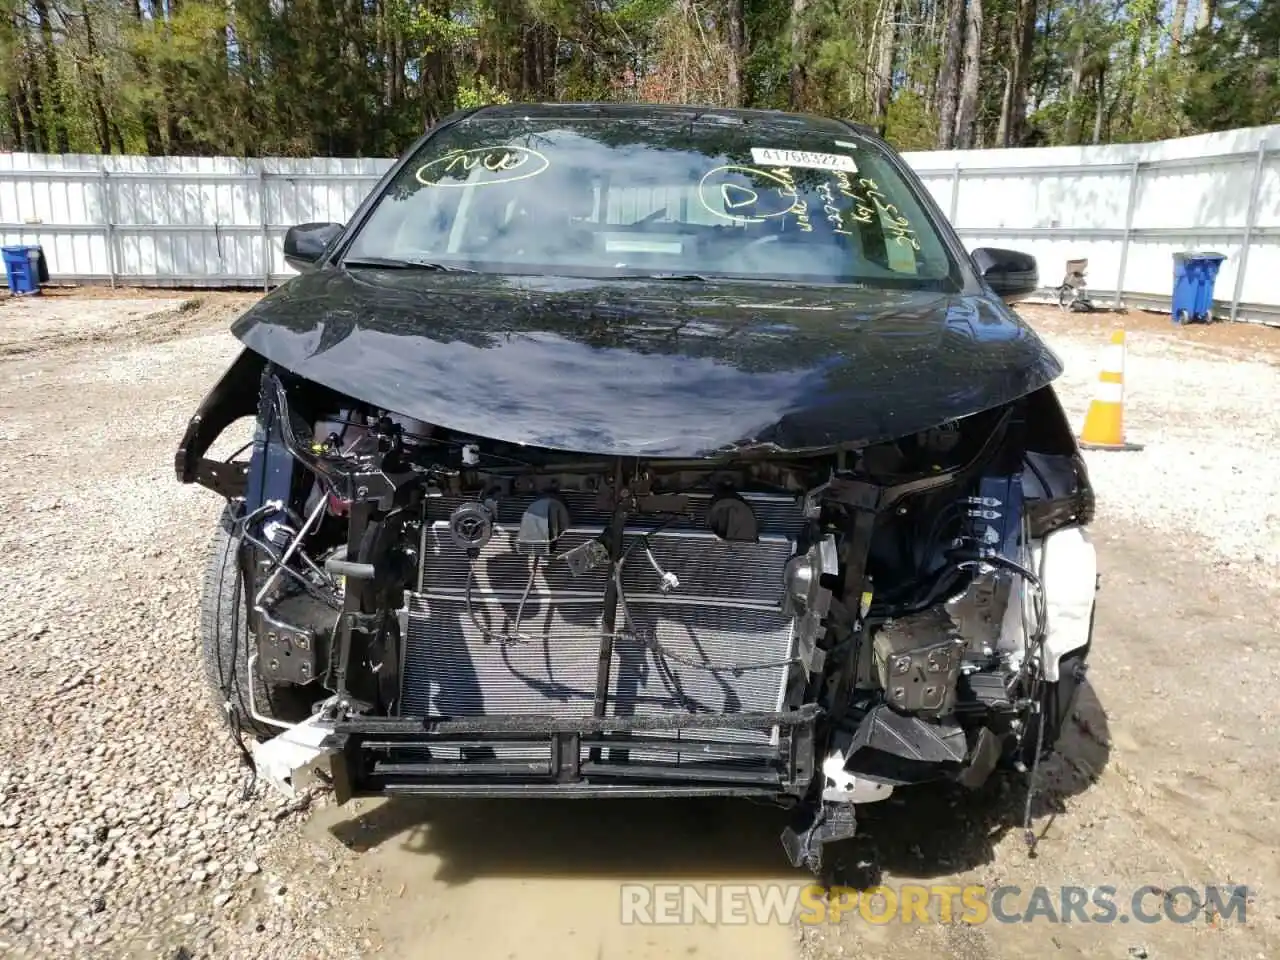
[[945, 830], [928, 831]]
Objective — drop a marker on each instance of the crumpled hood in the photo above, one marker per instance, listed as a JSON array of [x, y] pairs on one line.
[[649, 368]]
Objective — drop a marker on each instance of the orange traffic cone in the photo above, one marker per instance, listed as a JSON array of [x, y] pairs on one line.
[[1104, 423]]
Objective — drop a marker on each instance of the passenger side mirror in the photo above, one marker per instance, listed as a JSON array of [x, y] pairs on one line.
[[305, 243], [1012, 275]]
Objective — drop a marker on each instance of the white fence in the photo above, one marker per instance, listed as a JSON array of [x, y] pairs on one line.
[[216, 221], [1128, 208]]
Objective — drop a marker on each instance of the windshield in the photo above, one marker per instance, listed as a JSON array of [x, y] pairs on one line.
[[638, 197]]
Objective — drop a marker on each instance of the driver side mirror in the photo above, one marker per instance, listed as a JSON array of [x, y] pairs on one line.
[[305, 243], [1012, 275]]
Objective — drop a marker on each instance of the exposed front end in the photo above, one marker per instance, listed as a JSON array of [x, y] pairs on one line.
[[457, 615]]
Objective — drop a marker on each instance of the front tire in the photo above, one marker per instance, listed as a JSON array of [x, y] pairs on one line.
[[226, 642]]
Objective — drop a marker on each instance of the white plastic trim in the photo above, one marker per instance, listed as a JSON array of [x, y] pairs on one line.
[[286, 761], [1070, 574]]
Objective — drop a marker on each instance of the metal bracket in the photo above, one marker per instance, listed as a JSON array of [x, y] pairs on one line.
[[228, 479], [814, 827], [286, 652]]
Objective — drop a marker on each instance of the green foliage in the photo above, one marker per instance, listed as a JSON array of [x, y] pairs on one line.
[[436, 31], [479, 93], [911, 124], [1235, 70], [364, 77]]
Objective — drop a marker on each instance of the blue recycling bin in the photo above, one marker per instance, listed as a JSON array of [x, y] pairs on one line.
[[1193, 278], [24, 268]]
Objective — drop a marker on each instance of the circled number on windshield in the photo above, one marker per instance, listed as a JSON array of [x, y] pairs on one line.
[[482, 166], [723, 195]]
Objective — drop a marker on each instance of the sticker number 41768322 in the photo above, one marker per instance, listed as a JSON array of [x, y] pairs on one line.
[[771, 157]]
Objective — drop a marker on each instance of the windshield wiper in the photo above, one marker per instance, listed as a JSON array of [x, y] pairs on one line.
[[408, 263], [690, 277]]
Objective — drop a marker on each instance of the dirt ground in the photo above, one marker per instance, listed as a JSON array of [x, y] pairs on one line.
[[1170, 775]]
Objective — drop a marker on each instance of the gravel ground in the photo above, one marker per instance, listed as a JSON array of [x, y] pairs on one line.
[[1208, 415], [123, 828]]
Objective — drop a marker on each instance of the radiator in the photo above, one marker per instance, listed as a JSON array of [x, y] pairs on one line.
[[726, 611]]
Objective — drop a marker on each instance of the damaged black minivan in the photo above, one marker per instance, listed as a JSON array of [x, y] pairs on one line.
[[616, 451]]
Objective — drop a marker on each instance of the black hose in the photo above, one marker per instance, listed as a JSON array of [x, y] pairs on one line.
[[995, 560], [528, 587], [646, 537], [485, 632]]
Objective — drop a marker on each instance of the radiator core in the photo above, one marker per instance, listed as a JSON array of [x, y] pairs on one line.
[[726, 613]]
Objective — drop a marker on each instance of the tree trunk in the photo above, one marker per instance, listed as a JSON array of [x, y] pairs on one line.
[[967, 111], [737, 51], [1204, 16], [1071, 131], [58, 120], [797, 53], [397, 68], [932, 36], [1042, 81], [1178, 23], [150, 125], [1013, 109], [439, 79], [27, 109], [949, 74], [15, 118], [882, 89], [550, 54], [527, 34], [1006, 110], [102, 125], [1100, 110], [33, 113]]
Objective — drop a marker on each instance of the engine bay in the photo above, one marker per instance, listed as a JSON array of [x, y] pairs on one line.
[[472, 615]]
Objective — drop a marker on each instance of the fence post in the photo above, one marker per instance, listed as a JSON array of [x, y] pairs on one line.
[[108, 210], [1131, 203], [1250, 219], [955, 193], [266, 239]]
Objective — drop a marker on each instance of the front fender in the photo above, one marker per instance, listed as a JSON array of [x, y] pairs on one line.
[[235, 395]]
